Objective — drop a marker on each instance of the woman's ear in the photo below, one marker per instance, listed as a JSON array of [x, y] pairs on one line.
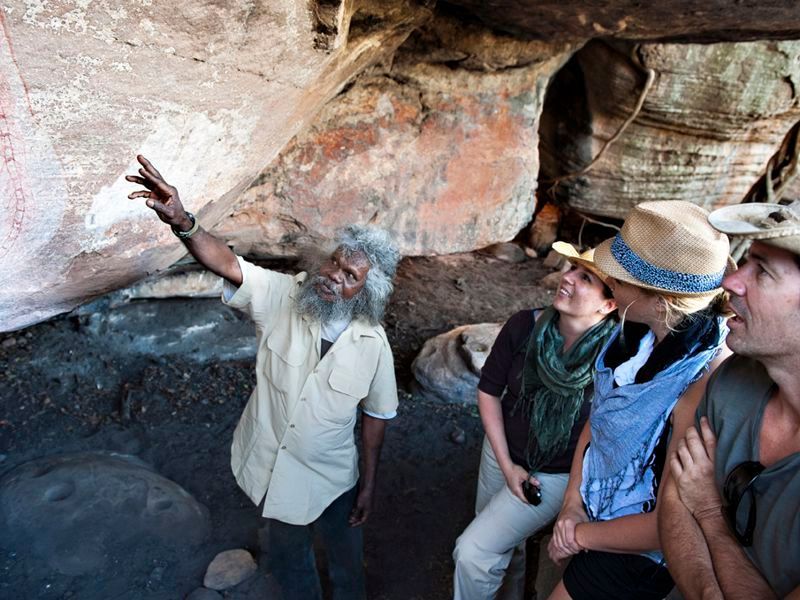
[[662, 303], [609, 306]]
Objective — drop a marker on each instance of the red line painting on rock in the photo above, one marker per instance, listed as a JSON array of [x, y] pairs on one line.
[[13, 189]]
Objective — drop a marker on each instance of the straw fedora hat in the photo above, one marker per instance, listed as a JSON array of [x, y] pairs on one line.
[[669, 247], [772, 224], [585, 258]]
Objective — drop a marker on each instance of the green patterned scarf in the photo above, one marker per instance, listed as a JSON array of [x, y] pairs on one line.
[[553, 385]]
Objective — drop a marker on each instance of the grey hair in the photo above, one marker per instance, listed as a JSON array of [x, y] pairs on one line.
[[383, 257]]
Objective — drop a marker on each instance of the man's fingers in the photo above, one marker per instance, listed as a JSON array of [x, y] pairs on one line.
[[139, 180], [143, 181], [357, 517], [154, 183], [148, 166], [153, 180], [160, 208], [139, 194], [684, 454], [709, 439], [695, 444], [675, 465]]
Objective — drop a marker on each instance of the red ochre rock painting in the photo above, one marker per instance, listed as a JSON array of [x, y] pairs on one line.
[[13, 189]]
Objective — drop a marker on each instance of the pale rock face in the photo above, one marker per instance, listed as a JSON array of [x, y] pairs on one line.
[[711, 120], [438, 142], [442, 150], [210, 92]]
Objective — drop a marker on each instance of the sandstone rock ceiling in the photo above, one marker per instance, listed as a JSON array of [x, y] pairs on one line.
[[672, 20], [432, 119]]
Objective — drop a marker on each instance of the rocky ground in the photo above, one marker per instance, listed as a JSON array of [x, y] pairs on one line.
[[165, 381]]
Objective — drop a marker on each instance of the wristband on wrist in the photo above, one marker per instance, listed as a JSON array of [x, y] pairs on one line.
[[189, 232]]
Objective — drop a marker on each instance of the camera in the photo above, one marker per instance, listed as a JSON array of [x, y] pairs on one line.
[[532, 493]]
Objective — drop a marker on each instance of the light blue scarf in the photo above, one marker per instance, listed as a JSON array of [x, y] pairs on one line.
[[626, 424]]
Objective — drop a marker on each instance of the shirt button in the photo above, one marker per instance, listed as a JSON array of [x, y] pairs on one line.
[[302, 399], [292, 425], [283, 447]]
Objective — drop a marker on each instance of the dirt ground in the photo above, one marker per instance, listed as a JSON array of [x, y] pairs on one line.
[[88, 382]]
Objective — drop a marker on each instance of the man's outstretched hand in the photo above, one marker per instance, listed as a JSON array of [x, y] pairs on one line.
[[161, 196]]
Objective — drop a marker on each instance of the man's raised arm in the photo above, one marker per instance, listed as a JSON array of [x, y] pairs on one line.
[[163, 198]]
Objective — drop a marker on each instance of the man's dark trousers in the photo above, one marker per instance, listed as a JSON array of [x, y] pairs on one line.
[[290, 554]]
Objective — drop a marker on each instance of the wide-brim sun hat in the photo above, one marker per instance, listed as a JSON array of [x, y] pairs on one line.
[[669, 247], [773, 224], [585, 258]]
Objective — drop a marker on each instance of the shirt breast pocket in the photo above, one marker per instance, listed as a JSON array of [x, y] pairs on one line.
[[347, 390], [285, 361]]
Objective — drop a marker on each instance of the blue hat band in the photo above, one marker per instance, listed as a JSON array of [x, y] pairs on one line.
[[650, 274]]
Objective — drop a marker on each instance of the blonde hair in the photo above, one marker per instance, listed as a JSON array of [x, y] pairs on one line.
[[679, 308]]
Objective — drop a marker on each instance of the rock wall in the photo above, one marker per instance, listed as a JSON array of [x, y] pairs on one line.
[[441, 148], [710, 121], [440, 141], [211, 92], [685, 20]]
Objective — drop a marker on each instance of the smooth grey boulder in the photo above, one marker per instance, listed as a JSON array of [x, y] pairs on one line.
[[80, 512]]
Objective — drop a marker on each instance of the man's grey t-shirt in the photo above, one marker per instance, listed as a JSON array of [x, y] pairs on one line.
[[734, 404]]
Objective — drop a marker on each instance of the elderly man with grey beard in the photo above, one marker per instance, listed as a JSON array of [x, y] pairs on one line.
[[322, 355]]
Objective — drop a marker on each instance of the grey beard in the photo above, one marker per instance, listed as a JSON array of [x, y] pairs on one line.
[[308, 303]]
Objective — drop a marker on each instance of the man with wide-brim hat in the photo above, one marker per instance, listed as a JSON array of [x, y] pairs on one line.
[[730, 523]]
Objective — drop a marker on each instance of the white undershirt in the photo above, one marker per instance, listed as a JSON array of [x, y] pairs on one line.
[[333, 329], [625, 373]]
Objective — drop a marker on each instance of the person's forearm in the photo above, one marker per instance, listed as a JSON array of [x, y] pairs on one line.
[[685, 548], [213, 254], [372, 433], [491, 413], [737, 575], [625, 535]]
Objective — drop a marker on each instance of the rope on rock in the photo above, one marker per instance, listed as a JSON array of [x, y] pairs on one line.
[[650, 76], [782, 169]]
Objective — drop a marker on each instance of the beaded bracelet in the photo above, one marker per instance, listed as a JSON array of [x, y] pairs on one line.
[[189, 232]]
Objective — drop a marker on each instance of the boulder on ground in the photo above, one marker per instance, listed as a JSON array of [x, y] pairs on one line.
[[229, 568], [449, 365], [78, 512]]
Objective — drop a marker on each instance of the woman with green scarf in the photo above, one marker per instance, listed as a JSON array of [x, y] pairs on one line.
[[534, 397]]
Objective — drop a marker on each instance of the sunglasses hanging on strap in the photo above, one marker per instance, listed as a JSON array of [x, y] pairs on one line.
[[739, 483]]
